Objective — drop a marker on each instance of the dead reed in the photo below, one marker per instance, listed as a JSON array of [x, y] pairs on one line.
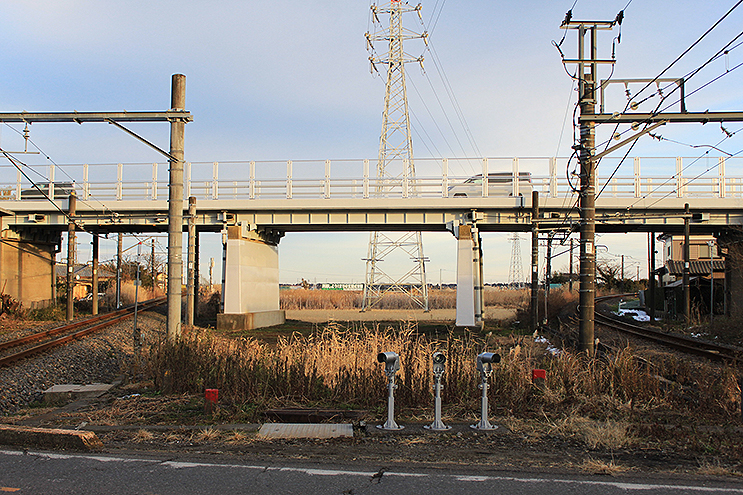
[[437, 299], [337, 368]]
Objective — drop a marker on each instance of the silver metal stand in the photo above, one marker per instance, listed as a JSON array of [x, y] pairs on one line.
[[437, 424], [390, 423]]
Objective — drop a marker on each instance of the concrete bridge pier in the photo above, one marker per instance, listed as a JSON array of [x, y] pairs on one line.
[[470, 296], [251, 288], [27, 262]]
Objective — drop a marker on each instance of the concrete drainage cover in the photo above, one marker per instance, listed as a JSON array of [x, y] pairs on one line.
[[306, 430], [74, 391]]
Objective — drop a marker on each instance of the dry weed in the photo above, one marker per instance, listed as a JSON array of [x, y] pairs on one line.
[[337, 366], [237, 437], [608, 434], [716, 468], [595, 466], [206, 435], [142, 436]]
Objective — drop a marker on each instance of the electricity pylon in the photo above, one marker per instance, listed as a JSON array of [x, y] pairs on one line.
[[516, 271], [395, 165]]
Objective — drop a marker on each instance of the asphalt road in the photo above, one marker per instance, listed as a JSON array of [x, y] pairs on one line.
[[62, 473]]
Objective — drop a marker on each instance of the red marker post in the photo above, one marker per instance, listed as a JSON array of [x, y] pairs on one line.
[[211, 396], [539, 379]]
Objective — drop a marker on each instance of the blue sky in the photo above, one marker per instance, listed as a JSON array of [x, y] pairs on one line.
[[290, 80]]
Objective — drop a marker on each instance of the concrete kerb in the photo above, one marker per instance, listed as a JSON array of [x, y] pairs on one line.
[[46, 438]]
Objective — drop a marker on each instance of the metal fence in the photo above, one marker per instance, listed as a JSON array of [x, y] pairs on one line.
[[553, 177]]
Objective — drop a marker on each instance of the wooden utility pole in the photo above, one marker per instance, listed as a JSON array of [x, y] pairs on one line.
[[534, 260], [175, 209]]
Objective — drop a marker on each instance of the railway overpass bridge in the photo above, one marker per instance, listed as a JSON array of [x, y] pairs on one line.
[[255, 203]]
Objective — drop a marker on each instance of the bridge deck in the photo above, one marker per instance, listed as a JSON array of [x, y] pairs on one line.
[[342, 196]]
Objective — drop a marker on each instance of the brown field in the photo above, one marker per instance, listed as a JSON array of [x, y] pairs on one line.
[[437, 299]]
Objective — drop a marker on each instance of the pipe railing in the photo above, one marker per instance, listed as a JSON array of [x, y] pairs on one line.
[[325, 179]]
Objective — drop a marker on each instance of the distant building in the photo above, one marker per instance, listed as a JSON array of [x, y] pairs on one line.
[[701, 251], [83, 276]]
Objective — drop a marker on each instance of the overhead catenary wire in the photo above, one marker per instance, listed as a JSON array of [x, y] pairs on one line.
[[666, 96]]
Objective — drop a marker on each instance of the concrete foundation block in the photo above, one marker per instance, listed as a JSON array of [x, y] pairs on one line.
[[250, 321]]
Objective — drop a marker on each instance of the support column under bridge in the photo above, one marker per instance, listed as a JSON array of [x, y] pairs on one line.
[[251, 285], [470, 295], [27, 263]]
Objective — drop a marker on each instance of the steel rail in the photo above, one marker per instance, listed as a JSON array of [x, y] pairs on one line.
[[108, 320], [689, 345]]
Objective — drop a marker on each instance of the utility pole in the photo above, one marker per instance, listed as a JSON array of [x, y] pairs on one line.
[[711, 280], [71, 256], [395, 149], [650, 300], [175, 209], [94, 269], [152, 264], [211, 274], [587, 78], [119, 249], [547, 276], [588, 119], [534, 260], [622, 269], [191, 260], [687, 266]]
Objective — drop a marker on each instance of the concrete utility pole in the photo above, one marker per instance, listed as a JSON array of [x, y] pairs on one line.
[[191, 260], [119, 253], [94, 267], [175, 209], [152, 264], [651, 279], [211, 274], [587, 79], [196, 275], [547, 276], [534, 260], [587, 198], [687, 266], [71, 256]]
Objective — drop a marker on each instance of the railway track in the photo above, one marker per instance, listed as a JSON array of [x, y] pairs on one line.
[[42, 341], [690, 345]]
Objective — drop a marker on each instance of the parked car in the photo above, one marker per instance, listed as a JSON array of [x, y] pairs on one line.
[[499, 184], [62, 190]]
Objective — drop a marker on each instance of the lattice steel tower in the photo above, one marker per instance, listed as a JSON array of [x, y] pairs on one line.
[[516, 271], [395, 166]]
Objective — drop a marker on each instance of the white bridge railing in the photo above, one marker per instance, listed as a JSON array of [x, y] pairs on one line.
[[307, 179]]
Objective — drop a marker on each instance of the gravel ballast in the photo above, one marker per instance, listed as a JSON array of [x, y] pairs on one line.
[[98, 358]]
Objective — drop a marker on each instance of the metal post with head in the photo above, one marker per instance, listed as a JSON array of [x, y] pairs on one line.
[[439, 360], [485, 363], [391, 366]]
